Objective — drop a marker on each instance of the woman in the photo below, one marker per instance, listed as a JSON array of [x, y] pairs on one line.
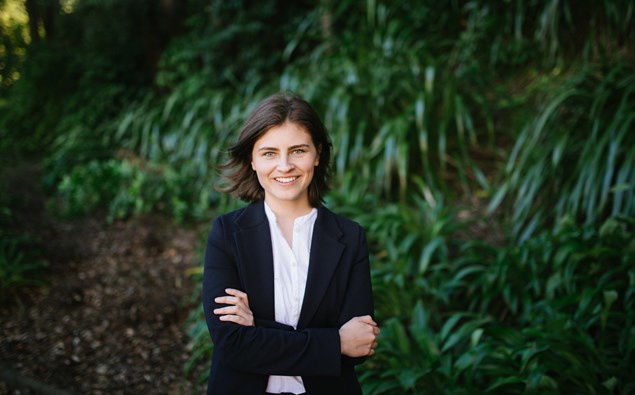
[[286, 288]]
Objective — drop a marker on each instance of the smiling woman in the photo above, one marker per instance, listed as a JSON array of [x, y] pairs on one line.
[[279, 111], [286, 289], [284, 160]]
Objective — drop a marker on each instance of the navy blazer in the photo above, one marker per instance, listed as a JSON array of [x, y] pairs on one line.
[[239, 255]]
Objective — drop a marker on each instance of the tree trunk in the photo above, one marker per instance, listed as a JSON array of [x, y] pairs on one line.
[[164, 22], [33, 11], [48, 18]]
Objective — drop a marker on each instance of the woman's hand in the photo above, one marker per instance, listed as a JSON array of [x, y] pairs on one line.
[[358, 337], [238, 311]]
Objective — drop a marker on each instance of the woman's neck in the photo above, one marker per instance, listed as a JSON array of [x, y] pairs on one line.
[[286, 214], [288, 211]]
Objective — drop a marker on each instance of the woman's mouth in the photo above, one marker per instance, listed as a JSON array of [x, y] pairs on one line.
[[285, 180]]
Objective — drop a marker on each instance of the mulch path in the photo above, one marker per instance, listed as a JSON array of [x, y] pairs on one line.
[[113, 317]]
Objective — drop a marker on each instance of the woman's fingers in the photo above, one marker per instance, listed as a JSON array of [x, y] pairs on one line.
[[367, 319], [236, 292], [235, 318], [228, 300], [229, 310], [237, 298], [358, 337], [238, 310]]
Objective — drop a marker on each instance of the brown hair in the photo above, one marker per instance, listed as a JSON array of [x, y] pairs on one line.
[[274, 111]]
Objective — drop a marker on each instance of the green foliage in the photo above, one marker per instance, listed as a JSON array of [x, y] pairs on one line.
[[21, 263], [394, 108], [219, 45], [77, 78], [192, 126], [552, 315], [525, 104], [576, 156], [128, 187], [405, 239], [200, 341], [183, 137], [419, 123], [403, 104], [12, 44]]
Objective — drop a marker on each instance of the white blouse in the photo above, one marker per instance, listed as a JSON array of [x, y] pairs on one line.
[[290, 271]]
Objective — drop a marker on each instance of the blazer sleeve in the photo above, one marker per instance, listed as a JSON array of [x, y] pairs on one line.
[[359, 295], [268, 348]]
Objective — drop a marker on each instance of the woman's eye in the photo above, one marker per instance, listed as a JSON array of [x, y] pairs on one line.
[[268, 154], [298, 151]]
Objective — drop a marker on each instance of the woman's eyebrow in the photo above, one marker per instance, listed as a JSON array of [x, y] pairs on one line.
[[299, 146], [276, 149], [267, 149]]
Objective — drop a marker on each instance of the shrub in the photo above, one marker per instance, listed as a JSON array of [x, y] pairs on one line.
[[128, 186], [551, 315], [576, 156]]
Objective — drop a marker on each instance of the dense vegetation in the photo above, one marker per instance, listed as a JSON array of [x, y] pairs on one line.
[[487, 148]]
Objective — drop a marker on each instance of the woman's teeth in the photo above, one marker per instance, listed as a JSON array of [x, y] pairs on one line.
[[286, 179]]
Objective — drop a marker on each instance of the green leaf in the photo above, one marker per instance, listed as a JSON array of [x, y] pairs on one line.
[[426, 255]]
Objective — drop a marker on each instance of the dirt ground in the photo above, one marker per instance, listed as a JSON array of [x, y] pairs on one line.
[[113, 317]]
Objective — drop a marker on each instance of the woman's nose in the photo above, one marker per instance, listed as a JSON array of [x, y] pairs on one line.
[[285, 163]]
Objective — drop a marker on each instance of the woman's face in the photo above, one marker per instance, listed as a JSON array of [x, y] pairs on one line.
[[284, 159]]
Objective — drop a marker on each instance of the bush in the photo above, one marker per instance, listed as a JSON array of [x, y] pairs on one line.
[[552, 315], [127, 186], [576, 156]]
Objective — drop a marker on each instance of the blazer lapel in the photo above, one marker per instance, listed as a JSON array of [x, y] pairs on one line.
[[253, 242], [326, 250]]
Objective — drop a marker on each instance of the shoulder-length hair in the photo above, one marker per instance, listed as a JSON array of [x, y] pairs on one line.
[[274, 111]]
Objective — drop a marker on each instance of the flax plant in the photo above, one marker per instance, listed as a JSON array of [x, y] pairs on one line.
[[577, 155], [551, 315]]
